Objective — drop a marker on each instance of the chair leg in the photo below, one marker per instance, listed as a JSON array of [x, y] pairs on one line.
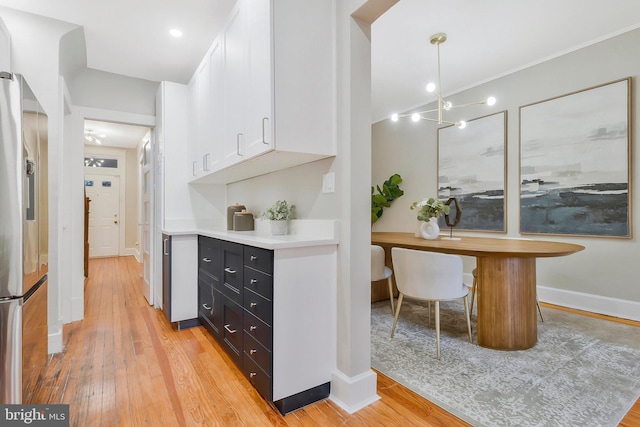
[[539, 311], [468, 317], [391, 294], [429, 313], [438, 330], [395, 318]]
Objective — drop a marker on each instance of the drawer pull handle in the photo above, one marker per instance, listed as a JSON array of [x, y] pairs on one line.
[[253, 304], [252, 374], [254, 281], [206, 307], [230, 271], [206, 259], [231, 331], [253, 351], [253, 257], [253, 328]]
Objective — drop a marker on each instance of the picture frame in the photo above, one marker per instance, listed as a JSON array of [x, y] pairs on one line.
[[472, 167], [575, 163]]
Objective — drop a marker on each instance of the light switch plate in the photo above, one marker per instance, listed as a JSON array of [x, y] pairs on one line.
[[329, 182]]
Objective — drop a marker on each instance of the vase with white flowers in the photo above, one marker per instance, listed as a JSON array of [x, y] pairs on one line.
[[429, 210], [279, 215]]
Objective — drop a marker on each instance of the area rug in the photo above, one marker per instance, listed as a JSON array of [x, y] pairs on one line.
[[582, 372]]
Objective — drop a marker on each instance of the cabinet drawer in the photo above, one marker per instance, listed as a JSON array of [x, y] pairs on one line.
[[210, 307], [259, 306], [258, 282], [258, 329], [210, 256], [258, 258], [256, 351], [232, 264], [260, 380], [232, 329]]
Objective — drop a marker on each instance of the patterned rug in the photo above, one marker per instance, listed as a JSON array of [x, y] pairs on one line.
[[582, 372]]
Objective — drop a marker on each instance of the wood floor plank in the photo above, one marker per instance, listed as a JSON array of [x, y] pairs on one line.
[[124, 365]]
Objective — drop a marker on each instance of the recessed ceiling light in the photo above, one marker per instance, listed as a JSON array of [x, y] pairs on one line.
[[175, 32]]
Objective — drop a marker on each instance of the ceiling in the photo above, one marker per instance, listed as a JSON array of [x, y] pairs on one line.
[[486, 39], [114, 134]]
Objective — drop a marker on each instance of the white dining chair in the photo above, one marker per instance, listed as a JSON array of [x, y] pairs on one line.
[[474, 290], [379, 271], [429, 276]]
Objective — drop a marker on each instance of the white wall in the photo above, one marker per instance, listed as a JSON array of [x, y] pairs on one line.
[[35, 49], [5, 47], [602, 278]]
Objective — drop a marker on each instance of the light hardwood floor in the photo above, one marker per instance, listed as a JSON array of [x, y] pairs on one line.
[[123, 365]]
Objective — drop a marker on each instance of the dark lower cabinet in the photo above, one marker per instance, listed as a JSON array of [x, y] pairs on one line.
[[236, 306]]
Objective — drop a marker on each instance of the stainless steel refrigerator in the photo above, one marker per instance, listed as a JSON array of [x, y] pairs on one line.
[[23, 240]]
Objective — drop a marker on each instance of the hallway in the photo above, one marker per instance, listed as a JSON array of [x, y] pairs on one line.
[[123, 365]]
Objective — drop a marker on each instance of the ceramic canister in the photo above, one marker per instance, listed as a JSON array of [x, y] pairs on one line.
[[232, 210], [243, 221]]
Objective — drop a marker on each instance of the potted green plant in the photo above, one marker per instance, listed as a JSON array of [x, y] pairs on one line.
[[382, 199], [429, 210], [279, 215]]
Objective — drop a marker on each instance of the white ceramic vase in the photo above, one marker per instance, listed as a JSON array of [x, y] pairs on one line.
[[430, 230], [278, 227]]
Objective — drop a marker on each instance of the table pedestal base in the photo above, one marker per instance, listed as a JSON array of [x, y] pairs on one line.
[[507, 303]]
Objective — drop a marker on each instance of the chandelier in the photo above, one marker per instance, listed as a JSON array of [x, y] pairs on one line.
[[443, 105]]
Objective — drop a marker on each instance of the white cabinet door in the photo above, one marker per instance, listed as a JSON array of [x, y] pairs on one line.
[[216, 118], [259, 109], [194, 166], [203, 75], [235, 72]]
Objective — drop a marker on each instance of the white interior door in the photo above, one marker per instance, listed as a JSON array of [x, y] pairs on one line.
[[104, 210], [146, 192]]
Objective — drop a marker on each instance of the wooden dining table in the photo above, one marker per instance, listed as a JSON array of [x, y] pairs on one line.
[[506, 272]]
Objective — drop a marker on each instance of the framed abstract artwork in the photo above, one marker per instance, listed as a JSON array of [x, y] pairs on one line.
[[575, 163], [472, 168]]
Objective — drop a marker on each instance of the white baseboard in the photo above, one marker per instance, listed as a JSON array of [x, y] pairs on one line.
[[589, 302], [353, 393], [132, 252], [77, 309], [55, 342]]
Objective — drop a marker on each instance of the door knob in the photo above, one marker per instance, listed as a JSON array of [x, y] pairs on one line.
[[115, 222]]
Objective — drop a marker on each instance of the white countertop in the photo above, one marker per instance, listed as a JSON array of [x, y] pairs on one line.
[[302, 233]]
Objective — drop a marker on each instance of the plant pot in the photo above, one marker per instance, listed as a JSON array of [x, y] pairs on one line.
[[279, 227], [430, 230]]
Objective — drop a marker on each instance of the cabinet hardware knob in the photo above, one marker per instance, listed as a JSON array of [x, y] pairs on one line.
[[164, 246], [206, 259], [231, 331], [253, 304], [206, 307], [252, 374], [230, 271], [253, 351], [254, 281], [253, 328], [253, 257]]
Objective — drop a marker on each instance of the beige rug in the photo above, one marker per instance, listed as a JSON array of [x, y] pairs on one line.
[[582, 372]]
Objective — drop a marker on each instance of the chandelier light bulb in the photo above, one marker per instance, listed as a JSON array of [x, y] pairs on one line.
[[415, 117], [431, 87], [394, 117], [461, 124], [447, 105], [491, 100]]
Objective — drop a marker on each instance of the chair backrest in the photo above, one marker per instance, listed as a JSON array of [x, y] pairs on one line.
[[428, 275], [377, 263]]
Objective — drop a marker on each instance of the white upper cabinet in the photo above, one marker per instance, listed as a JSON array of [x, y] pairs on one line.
[[271, 90], [235, 80]]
